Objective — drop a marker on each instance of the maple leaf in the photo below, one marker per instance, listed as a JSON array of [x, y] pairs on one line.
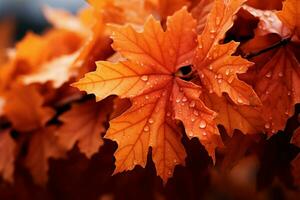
[[62, 19], [158, 95], [58, 71], [245, 118], [269, 22], [84, 124], [214, 62], [24, 108], [7, 152], [43, 145], [50, 45]]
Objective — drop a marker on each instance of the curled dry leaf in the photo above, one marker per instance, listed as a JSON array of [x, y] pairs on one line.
[[7, 152], [43, 146], [158, 96], [289, 15], [214, 62], [24, 108], [84, 124]]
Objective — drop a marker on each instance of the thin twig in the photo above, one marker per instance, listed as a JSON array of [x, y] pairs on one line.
[[282, 42]]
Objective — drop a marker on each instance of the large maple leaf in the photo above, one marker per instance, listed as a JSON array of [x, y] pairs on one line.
[[214, 62], [84, 123], [159, 97], [7, 152]]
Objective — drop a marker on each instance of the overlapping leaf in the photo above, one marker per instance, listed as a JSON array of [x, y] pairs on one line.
[[25, 109], [158, 96], [7, 152], [84, 124], [43, 146], [215, 64]]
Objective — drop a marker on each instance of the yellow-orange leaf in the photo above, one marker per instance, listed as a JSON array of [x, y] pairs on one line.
[[158, 95], [84, 124], [43, 145], [24, 108], [7, 152], [214, 62]]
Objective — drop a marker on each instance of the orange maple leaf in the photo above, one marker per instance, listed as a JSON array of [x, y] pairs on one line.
[[7, 152], [214, 62], [159, 97], [24, 108], [84, 124], [43, 145]]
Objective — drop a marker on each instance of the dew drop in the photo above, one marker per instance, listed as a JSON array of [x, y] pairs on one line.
[[144, 78], [239, 100], [146, 128], [146, 97], [267, 125], [192, 104], [289, 93], [269, 74], [280, 74], [196, 112], [204, 133], [192, 119], [220, 81], [219, 76], [184, 99], [177, 100], [210, 67], [151, 121], [200, 46], [168, 114], [227, 72], [210, 91], [212, 31], [202, 124]]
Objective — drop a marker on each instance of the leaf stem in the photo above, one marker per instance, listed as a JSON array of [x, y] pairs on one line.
[[282, 42]]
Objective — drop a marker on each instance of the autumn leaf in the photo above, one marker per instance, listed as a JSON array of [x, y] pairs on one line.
[[57, 71], [84, 124], [7, 152], [24, 108], [43, 145], [214, 62], [289, 16], [247, 119], [158, 95], [269, 22]]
